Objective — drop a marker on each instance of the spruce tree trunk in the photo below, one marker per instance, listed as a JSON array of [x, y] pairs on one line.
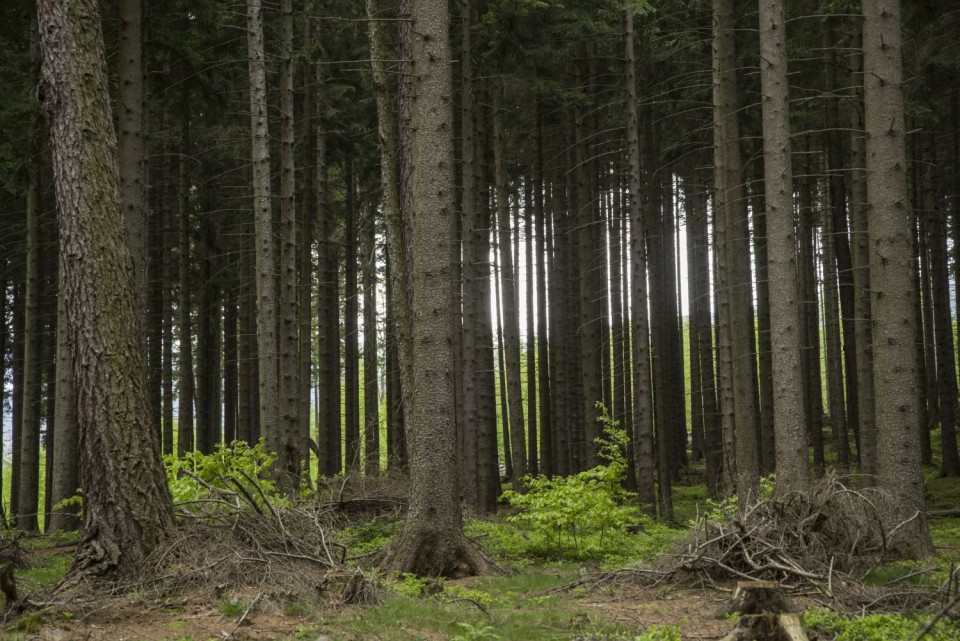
[[737, 329], [185, 441], [764, 339], [351, 348], [548, 461], [832, 324], [231, 370], [946, 372], [511, 313], [29, 462], [789, 417], [432, 541], [308, 205], [640, 327], [890, 278], [265, 240], [130, 126], [701, 320], [866, 396], [285, 440], [533, 462], [371, 388], [65, 461], [127, 506], [810, 319]]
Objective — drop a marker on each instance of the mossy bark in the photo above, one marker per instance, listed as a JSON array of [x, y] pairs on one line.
[[127, 506]]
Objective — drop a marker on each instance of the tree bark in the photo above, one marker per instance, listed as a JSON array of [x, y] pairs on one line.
[[371, 388], [789, 416], [511, 314], [127, 506], [432, 541], [285, 440], [264, 233], [890, 276], [639, 319]]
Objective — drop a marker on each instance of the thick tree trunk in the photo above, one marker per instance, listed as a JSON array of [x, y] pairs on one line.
[[432, 541], [890, 277], [789, 417], [127, 506]]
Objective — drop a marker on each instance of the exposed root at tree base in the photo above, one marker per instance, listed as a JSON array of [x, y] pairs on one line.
[[430, 553]]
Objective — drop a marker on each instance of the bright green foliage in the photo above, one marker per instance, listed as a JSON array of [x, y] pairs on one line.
[[579, 517], [874, 627], [236, 468]]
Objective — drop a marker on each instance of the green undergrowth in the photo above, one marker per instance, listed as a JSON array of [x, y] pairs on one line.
[[832, 626], [516, 607]]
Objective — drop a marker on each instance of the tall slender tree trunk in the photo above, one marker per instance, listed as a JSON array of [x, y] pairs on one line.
[[264, 234], [890, 277], [185, 338], [130, 125], [867, 432], [640, 327], [946, 370], [738, 314], [533, 462], [789, 416], [351, 338], [65, 461], [32, 377], [285, 440], [511, 314], [371, 388]]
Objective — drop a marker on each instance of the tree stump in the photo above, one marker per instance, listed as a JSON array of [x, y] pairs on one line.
[[766, 614]]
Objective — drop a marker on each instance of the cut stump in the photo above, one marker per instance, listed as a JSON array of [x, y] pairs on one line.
[[766, 614]]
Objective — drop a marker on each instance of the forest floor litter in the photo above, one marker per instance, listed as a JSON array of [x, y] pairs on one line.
[[245, 567]]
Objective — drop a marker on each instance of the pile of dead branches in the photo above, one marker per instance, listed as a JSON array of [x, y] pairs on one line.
[[810, 539]]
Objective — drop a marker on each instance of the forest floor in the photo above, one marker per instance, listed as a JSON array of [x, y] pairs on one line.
[[535, 599]]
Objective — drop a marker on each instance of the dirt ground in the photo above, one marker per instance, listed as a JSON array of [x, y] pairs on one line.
[[187, 619]]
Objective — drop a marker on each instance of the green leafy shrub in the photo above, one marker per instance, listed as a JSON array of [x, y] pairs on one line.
[[578, 517], [370, 535], [236, 468]]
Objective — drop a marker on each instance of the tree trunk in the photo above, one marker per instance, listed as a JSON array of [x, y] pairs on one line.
[[285, 440], [735, 268], [866, 396], [127, 506], [432, 541], [946, 371], [511, 314], [371, 400], [890, 278], [789, 417], [351, 338], [29, 463], [640, 327], [130, 125], [66, 465], [533, 462], [185, 401], [264, 234]]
